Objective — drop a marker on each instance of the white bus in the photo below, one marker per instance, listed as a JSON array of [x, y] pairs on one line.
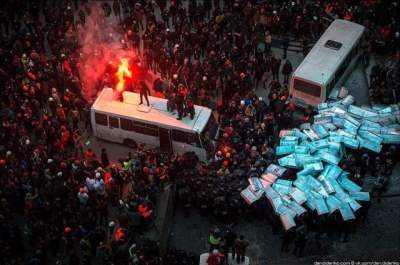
[[131, 124], [326, 67]]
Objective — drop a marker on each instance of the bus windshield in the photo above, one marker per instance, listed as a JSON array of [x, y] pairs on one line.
[[307, 88], [209, 133]]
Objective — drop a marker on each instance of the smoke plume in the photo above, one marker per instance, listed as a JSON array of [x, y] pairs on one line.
[[102, 45]]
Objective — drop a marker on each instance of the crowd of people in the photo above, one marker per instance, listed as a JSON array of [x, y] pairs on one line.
[[384, 84], [57, 196], [226, 246]]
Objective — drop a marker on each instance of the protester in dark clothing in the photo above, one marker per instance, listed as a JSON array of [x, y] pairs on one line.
[[189, 108], [267, 42], [286, 71], [275, 66], [179, 101], [229, 243], [300, 241], [104, 158], [241, 245], [379, 186], [288, 237], [144, 92], [305, 46], [285, 46]]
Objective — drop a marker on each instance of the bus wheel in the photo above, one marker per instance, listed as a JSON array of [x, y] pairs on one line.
[[130, 143]]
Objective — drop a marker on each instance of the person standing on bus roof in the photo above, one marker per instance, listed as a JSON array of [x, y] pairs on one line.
[[144, 92], [189, 108], [179, 101]]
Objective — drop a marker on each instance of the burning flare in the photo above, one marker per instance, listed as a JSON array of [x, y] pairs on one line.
[[122, 73]]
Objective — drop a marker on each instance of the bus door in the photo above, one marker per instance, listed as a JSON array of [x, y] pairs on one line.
[[165, 140]]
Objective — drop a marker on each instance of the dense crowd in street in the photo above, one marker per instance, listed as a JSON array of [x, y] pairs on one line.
[[57, 196]]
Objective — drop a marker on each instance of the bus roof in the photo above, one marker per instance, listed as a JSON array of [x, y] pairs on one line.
[[158, 114], [322, 61]]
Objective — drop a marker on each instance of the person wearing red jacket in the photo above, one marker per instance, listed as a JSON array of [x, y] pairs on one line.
[[213, 258], [66, 66], [65, 136]]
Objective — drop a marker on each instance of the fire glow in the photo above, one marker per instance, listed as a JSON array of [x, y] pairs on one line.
[[101, 58], [122, 73]]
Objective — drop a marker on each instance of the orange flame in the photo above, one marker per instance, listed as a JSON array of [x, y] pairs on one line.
[[122, 73]]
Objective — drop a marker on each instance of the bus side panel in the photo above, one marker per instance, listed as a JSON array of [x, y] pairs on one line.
[[111, 134], [201, 153], [139, 138], [351, 66], [102, 132], [181, 148]]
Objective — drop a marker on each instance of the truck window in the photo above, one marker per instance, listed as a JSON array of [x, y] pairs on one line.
[[101, 119]]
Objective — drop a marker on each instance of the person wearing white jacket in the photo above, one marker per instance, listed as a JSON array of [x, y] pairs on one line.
[[98, 185]]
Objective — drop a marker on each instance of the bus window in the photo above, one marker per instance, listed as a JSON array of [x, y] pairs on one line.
[[126, 124], [114, 122], [334, 45], [101, 119], [307, 88], [209, 134], [185, 137], [145, 128], [178, 136], [146, 125], [193, 139]]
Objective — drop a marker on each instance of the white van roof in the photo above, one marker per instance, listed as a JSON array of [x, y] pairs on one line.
[[321, 62], [158, 114]]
